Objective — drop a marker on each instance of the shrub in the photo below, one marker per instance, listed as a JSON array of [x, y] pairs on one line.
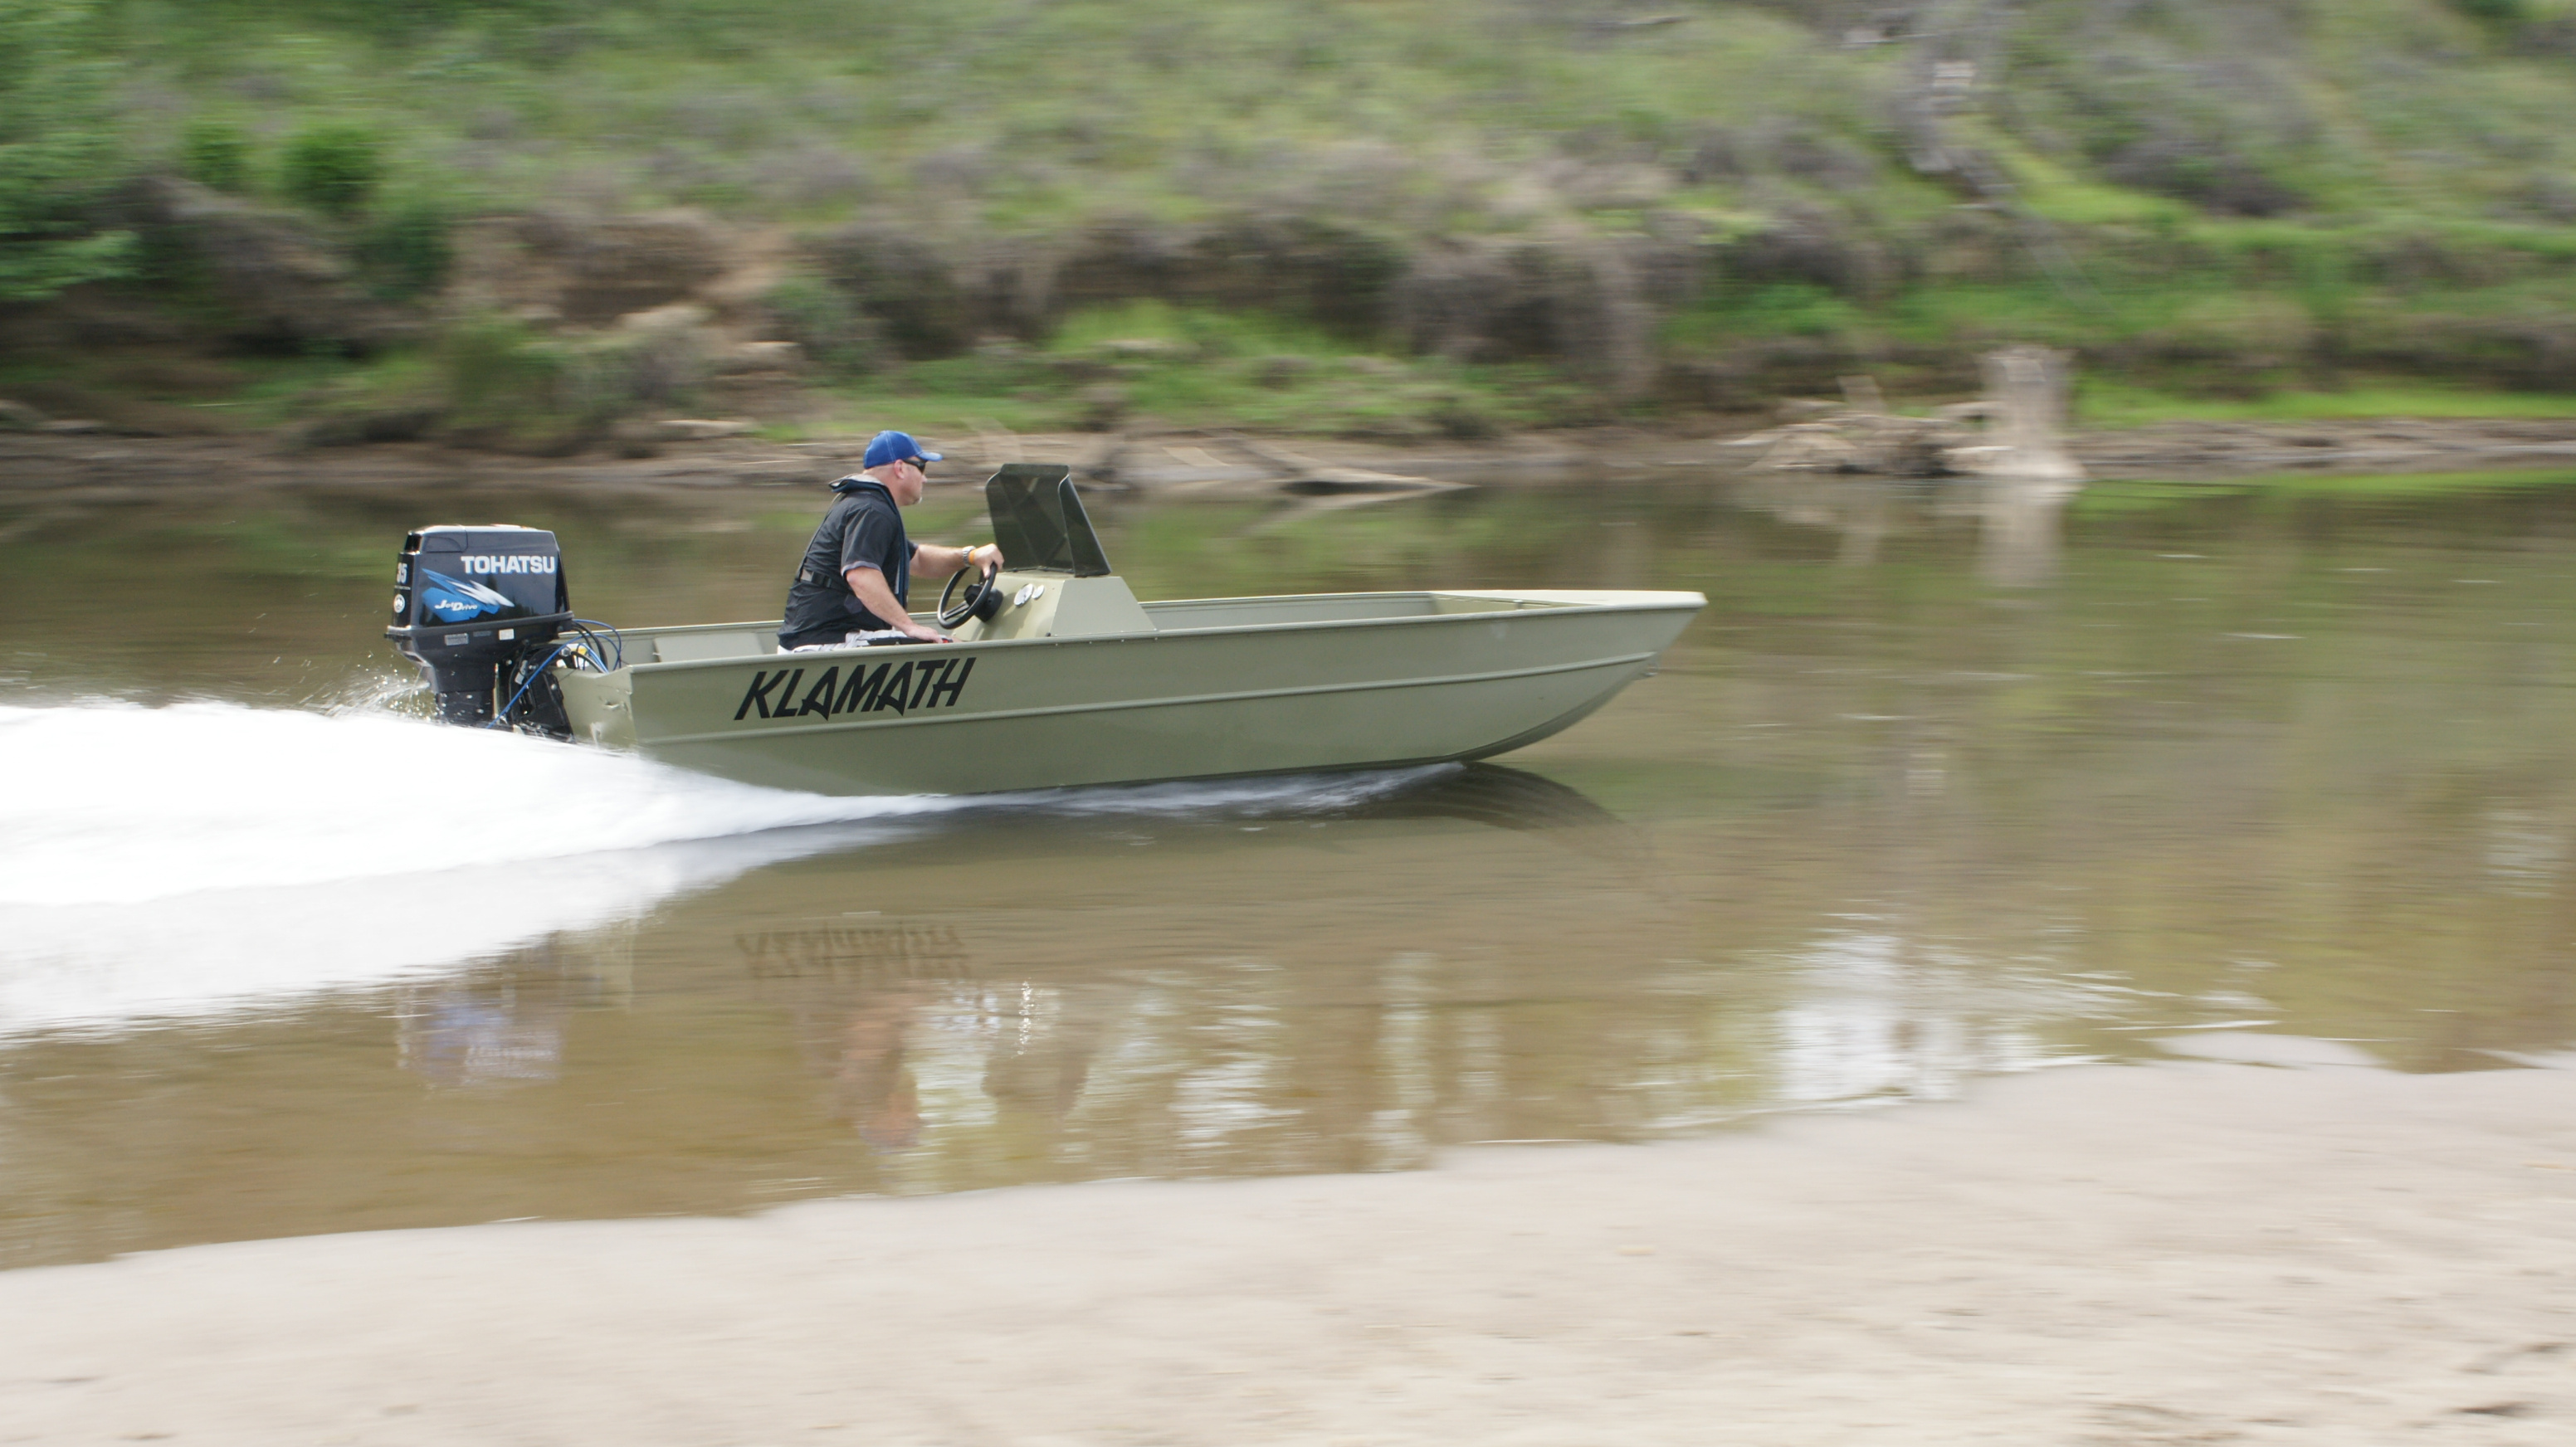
[[405, 253], [216, 153], [904, 283], [495, 372], [819, 318], [334, 168], [506, 386], [57, 152], [636, 369]]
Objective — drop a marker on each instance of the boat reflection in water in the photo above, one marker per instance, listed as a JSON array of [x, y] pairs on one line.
[[1183, 1013], [458, 1036]]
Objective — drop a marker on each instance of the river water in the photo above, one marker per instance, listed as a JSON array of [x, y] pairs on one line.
[[1944, 782]]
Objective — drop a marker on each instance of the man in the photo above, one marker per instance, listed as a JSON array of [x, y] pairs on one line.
[[857, 571]]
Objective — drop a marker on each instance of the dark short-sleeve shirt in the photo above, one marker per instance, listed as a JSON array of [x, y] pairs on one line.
[[863, 529]]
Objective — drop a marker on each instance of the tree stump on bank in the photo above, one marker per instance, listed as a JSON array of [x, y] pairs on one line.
[[2018, 432]]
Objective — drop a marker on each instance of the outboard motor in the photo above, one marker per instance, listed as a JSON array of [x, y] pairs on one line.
[[478, 608]]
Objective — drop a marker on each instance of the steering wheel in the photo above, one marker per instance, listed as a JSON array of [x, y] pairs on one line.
[[983, 598]]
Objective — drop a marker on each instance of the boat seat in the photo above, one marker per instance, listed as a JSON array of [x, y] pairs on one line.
[[714, 643]]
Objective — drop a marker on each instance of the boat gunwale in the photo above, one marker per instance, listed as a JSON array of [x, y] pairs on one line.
[[1646, 601]]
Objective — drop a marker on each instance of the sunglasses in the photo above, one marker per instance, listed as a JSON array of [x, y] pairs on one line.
[[919, 466]]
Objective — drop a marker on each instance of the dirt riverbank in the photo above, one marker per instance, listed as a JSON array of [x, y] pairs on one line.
[[2196, 1253], [106, 468]]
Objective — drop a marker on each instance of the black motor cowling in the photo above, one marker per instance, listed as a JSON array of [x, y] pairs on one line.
[[476, 608]]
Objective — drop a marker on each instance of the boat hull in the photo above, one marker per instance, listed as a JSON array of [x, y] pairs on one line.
[[1396, 679]]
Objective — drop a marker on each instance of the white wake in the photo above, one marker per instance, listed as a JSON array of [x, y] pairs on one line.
[[209, 857], [106, 803]]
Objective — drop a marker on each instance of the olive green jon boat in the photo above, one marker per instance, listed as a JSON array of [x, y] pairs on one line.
[[1059, 676]]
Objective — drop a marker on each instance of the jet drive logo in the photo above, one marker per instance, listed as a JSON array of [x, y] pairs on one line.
[[456, 600], [506, 563]]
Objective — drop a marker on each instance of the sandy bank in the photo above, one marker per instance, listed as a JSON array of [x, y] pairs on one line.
[[2201, 1253]]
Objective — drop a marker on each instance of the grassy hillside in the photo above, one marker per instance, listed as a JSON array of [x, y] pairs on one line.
[[1661, 207]]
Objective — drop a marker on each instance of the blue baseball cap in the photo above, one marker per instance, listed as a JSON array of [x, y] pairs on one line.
[[888, 447]]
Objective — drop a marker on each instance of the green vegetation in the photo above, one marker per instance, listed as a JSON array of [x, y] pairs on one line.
[[2106, 403], [1196, 366], [2110, 498], [333, 168], [1418, 216], [215, 153], [406, 250], [55, 152], [836, 337]]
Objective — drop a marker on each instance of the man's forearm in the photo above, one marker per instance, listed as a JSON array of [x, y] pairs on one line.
[[870, 587], [936, 560]]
